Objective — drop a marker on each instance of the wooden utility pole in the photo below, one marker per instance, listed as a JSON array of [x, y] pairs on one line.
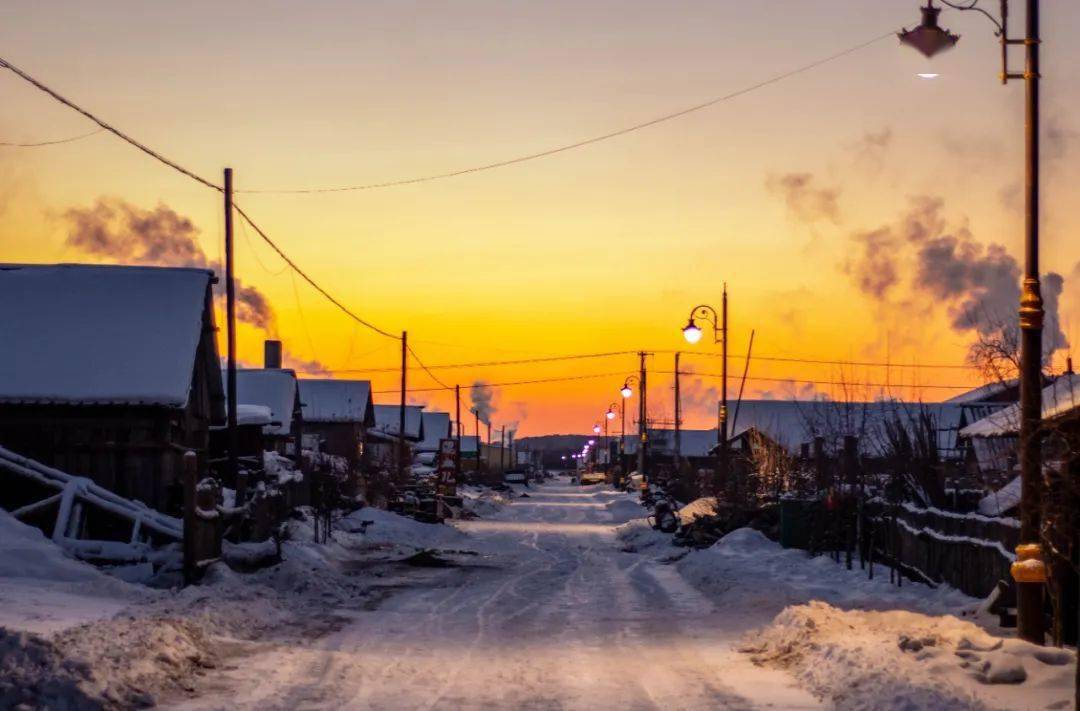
[[476, 419], [401, 417], [502, 448], [643, 436], [721, 425], [457, 429], [230, 327], [678, 418]]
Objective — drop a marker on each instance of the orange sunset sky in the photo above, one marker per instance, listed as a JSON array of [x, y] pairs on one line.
[[779, 192]]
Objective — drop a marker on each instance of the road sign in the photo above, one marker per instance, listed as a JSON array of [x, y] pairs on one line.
[[446, 467]]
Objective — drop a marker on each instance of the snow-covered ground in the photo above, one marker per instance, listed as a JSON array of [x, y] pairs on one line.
[[561, 599]]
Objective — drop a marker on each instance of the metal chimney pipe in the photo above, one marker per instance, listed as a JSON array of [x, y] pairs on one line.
[[271, 354]]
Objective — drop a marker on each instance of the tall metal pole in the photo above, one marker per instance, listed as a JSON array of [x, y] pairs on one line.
[[476, 418], [230, 320], [1029, 604], [401, 413], [721, 430], [502, 448], [678, 418], [643, 436]]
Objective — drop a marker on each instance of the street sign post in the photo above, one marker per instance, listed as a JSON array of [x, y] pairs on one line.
[[447, 467]]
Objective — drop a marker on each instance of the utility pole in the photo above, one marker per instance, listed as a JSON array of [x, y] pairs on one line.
[[401, 414], [1029, 592], [502, 448], [476, 418], [457, 429], [678, 419], [230, 320], [643, 435], [721, 425]]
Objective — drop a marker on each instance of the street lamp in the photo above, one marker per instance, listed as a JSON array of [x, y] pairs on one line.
[[596, 428], [692, 333], [1029, 572]]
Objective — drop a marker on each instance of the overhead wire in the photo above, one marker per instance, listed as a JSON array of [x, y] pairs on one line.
[[582, 143], [538, 381], [54, 142], [799, 381]]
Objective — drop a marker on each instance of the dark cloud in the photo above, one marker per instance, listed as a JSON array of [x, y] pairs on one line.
[[806, 202]]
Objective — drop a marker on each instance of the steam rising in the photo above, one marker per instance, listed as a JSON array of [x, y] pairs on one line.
[[805, 201], [118, 231], [481, 395]]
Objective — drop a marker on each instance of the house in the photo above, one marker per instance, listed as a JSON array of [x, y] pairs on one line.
[[277, 390], [336, 415], [383, 438], [437, 427], [111, 373], [995, 438]]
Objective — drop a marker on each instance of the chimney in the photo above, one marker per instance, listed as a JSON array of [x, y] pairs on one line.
[[1068, 366], [271, 354]]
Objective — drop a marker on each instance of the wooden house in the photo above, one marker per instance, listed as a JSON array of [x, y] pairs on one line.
[[338, 413], [383, 438], [277, 390], [110, 373], [437, 427]]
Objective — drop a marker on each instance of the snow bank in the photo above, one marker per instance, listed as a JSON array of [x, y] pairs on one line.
[[481, 501], [624, 509], [760, 567], [637, 536], [905, 660], [383, 529]]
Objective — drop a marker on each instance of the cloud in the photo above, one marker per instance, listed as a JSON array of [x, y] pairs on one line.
[[115, 230], [871, 148], [805, 201]]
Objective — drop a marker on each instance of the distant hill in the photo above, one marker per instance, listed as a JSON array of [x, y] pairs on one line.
[[556, 442]]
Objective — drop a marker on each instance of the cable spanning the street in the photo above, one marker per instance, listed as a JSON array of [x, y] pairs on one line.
[[495, 363], [585, 142], [54, 142], [822, 361], [428, 370], [538, 381], [844, 383]]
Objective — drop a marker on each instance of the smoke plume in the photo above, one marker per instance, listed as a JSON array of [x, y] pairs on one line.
[[805, 201], [979, 285], [118, 231], [482, 395]]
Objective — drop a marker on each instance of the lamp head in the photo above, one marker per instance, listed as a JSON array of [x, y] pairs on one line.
[[691, 332], [625, 391], [928, 37], [610, 414]]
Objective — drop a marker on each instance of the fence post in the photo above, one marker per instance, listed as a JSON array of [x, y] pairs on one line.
[[190, 466]]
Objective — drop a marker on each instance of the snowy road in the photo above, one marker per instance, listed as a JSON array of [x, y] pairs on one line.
[[552, 615]]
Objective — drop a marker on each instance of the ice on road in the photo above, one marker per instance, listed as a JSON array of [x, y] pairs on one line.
[[552, 615]]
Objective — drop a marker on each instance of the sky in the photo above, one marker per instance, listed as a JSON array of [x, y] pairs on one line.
[[855, 211]]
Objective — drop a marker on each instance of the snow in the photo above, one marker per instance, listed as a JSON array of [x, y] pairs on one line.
[[698, 508], [336, 401], [999, 502], [388, 420], [97, 334], [983, 392], [1059, 397], [253, 415], [436, 427], [274, 388]]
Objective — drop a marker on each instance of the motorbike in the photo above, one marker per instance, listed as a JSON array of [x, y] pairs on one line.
[[665, 517]]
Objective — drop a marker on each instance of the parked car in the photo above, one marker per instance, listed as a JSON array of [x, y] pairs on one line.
[[516, 476]]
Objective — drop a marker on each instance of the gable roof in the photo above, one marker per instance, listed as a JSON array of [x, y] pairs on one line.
[[693, 443], [388, 420], [1058, 398], [83, 334], [274, 388], [436, 427], [325, 400]]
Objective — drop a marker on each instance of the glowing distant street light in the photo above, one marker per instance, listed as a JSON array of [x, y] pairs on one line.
[[592, 442], [610, 414], [928, 75], [596, 429], [625, 391], [691, 332]]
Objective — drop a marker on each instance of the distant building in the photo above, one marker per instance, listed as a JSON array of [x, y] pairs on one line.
[[337, 415], [278, 390], [110, 372], [383, 437], [437, 427]]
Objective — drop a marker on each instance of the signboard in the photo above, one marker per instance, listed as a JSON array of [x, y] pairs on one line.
[[446, 466]]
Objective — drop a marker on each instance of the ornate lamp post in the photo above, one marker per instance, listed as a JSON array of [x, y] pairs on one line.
[[692, 333], [1030, 572], [627, 392]]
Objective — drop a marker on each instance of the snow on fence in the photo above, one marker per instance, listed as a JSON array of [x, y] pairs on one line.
[[73, 493], [970, 552]]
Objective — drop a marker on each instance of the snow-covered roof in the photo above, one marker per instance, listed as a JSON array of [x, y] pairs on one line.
[[791, 423], [324, 400], [388, 420], [693, 443], [1059, 397], [253, 415], [999, 502], [274, 388], [982, 392], [436, 427], [468, 443], [101, 334]]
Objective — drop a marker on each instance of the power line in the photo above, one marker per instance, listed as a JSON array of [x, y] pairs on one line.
[[822, 361], [197, 178], [428, 370], [916, 386], [567, 378], [53, 142], [494, 363], [585, 142]]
